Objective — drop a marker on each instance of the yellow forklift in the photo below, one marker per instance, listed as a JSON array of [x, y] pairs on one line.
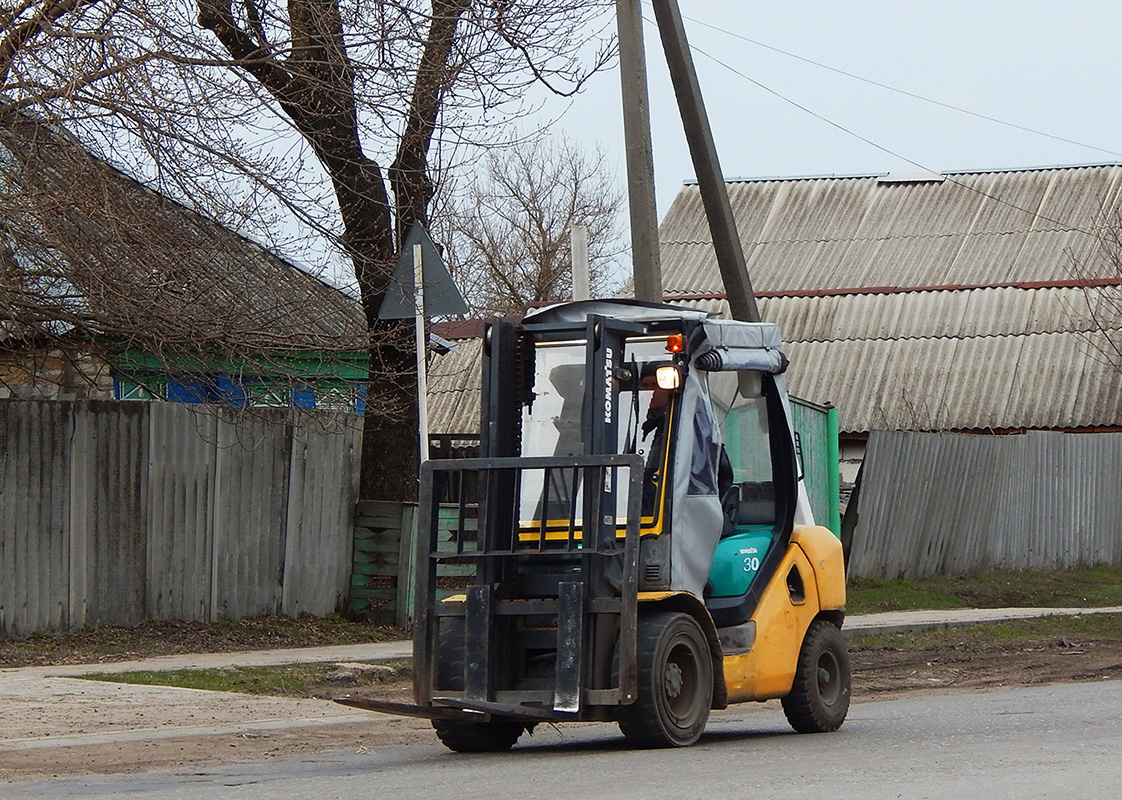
[[642, 541]]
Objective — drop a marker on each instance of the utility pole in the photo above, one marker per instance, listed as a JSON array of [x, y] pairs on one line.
[[703, 151], [645, 262], [578, 246]]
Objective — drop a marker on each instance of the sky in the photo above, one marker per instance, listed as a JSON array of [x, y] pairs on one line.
[[1048, 67]]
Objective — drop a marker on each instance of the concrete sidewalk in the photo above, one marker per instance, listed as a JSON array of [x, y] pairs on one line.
[[48, 707], [373, 651]]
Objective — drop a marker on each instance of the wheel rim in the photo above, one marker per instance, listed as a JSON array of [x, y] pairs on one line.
[[829, 678], [680, 684]]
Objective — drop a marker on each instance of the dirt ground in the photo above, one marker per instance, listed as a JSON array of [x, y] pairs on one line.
[[878, 672], [973, 666]]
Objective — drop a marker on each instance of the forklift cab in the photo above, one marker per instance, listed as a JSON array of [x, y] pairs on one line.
[[702, 402]]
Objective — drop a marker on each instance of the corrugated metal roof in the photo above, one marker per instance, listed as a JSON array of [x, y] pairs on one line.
[[1012, 358], [928, 306], [1000, 311], [845, 266], [978, 229], [986, 359], [455, 380], [1048, 380], [98, 251]]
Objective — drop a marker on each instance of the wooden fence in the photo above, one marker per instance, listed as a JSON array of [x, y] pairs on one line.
[[385, 565], [116, 512]]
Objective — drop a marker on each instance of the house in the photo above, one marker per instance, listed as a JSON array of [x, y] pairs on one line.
[[109, 289], [972, 301], [120, 512], [942, 314]]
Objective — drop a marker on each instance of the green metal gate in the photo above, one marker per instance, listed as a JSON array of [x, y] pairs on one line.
[[816, 436]]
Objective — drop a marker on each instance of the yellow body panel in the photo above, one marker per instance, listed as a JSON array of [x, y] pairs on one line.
[[768, 669], [824, 551], [653, 597]]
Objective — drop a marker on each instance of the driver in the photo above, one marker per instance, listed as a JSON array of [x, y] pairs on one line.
[[656, 423]]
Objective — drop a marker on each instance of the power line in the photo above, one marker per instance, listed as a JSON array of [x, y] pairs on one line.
[[904, 92], [949, 178], [1032, 212]]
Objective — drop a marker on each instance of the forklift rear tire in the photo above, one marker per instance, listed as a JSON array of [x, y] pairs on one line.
[[675, 683], [492, 736], [819, 698]]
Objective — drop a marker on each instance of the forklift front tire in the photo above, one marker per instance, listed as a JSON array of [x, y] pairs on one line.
[[491, 736], [819, 698], [495, 736], [675, 683]]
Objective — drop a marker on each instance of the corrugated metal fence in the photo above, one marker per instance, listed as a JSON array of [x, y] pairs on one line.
[[116, 512], [934, 503]]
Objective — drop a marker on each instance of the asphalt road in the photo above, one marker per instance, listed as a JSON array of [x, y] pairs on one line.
[[1058, 741]]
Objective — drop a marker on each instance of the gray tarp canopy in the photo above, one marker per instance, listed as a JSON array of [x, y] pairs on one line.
[[743, 345]]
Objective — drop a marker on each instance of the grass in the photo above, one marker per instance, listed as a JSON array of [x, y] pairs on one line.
[[155, 638], [289, 680], [1106, 626], [320, 680], [1091, 586]]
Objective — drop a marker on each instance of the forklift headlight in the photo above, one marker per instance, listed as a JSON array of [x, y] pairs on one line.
[[668, 377]]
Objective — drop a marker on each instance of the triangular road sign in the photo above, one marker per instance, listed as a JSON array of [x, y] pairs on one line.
[[442, 297]]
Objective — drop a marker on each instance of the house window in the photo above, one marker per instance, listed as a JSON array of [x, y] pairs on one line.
[[221, 390], [303, 397]]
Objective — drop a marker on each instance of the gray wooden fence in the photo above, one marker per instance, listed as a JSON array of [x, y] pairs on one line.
[[111, 513], [938, 503]]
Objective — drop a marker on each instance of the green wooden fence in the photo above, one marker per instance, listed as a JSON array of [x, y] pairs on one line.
[[385, 568]]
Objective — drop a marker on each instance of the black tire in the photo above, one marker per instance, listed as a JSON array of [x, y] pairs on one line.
[[675, 683], [819, 699], [491, 736], [494, 736]]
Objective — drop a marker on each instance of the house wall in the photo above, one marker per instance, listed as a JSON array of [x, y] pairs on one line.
[[328, 381], [942, 503], [53, 376], [851, 452], [111, 513]]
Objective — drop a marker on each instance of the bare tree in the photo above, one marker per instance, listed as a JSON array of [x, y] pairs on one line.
[[510, 238], [379, 96], [1097, 272]]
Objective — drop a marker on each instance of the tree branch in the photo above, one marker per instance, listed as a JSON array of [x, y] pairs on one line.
[[412, 188], [24, 33]]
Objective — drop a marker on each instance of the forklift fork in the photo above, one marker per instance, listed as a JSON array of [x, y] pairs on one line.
[[567, 587]]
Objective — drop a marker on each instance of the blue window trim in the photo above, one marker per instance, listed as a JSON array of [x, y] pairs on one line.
[[236, 391]]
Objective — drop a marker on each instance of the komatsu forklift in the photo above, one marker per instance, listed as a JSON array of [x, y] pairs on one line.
[[642, 544]]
